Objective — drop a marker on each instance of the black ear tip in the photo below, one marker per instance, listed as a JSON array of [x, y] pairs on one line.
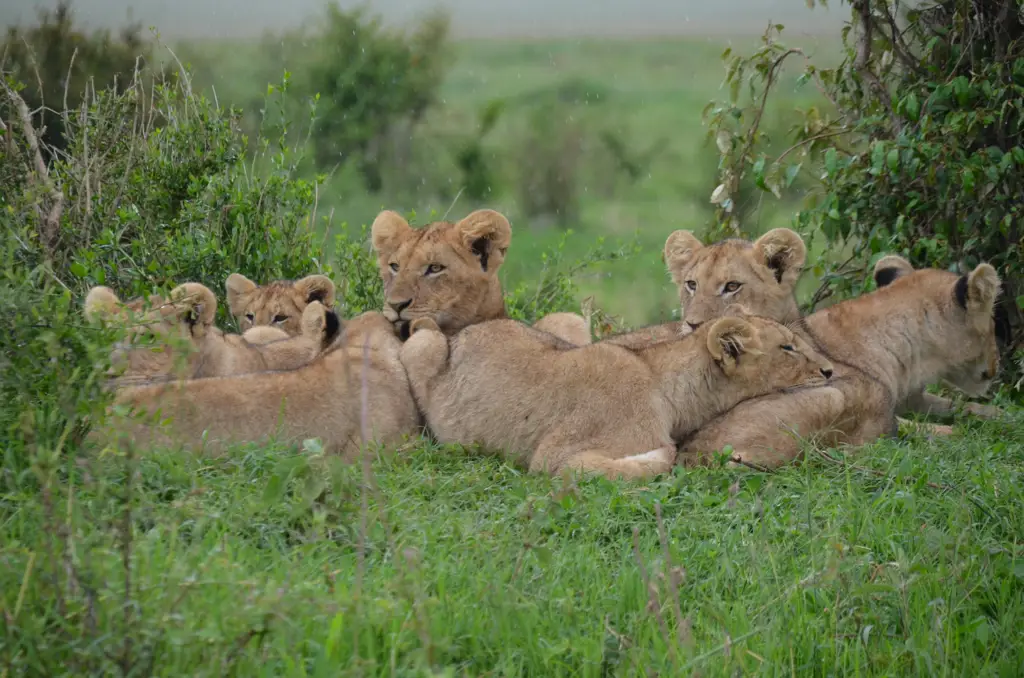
[[960, 291]]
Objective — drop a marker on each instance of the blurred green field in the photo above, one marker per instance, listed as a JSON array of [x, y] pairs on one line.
[[649, 92]]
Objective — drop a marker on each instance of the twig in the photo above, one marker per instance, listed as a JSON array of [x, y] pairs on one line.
[[51, 222], [861, 63], [809, 140], [126, 560], [454, 200]]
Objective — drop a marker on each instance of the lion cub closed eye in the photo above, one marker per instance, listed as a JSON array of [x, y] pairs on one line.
[[599, 408], [176, 337]]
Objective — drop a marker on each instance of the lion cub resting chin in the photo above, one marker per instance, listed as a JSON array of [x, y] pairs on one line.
[[598, 408], [322, 399], [183, 323]]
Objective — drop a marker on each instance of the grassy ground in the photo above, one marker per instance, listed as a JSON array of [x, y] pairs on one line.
[[906, 560], [651, 92]]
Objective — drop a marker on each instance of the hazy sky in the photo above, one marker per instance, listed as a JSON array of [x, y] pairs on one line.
[[486, 18]]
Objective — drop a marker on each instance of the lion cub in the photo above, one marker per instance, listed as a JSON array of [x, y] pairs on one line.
[[598, 408], [354, 392], [185, 321], [278, 304]]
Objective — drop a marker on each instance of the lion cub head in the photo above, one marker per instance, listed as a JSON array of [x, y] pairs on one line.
[[277, 304], [159, 333], [963, 329], [444, 271], [760, 275], [760, 354]]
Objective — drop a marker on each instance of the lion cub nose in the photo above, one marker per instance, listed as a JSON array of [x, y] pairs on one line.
[[826, 372], [399, 306]]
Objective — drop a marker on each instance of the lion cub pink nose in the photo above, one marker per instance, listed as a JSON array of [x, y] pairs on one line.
[[826, 372]]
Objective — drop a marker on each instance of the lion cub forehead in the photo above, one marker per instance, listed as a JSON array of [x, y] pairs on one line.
[[724, 261]]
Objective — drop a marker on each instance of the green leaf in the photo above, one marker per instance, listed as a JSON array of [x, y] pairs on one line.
[[830, 161], [912, 106], [79, 270], [791, 173], [893, 159]]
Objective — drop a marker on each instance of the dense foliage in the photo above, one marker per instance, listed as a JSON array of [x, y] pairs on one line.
[[920, 152]]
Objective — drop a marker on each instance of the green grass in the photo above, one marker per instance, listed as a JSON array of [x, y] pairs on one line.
[[651, 92], [905, 561]]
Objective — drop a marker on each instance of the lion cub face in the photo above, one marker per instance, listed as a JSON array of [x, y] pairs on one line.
[[761, 354], [445, 271], [760, 275], [158, 334], [278, 304], [963, 332]]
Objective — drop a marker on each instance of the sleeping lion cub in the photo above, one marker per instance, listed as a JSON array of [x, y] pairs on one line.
[[177, 337], [598, 408]]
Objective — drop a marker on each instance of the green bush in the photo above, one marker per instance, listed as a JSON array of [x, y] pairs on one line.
[[61, 63], [369, 79], [920, 151]]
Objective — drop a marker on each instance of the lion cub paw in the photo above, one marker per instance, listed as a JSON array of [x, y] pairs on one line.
[[423, 324]]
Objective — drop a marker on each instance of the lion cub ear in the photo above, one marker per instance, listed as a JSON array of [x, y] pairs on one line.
[[487, 234], [320, 322], [102, 304], [889, 268], [729, 338], [977, 291], [316, 288], [238, 287], [783, 251], [196, 306], [680, 246], [388, 231]]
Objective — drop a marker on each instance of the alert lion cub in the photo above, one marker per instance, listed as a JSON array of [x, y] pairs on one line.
[[923, 327], [598, 408], [760, 275], [177, 337], [278, 304], [322, 399], [448, 272]]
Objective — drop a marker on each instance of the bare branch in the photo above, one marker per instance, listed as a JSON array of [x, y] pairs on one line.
[[50, 226]]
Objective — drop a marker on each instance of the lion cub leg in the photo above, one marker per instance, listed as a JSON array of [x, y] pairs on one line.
[[424, 354], [570, 327], [638, 466], [929, 403]]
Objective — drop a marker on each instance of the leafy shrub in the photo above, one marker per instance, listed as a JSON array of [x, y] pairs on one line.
[[369, 78], [921, 149], [62, 63]]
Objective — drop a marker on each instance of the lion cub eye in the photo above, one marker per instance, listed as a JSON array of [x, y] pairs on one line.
[[434, 268], [691, 285], [250, 317], [394, 267], [788, 347], [280, 319], [732, 287]]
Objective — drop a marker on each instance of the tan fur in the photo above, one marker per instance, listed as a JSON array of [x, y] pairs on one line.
[[322, 399], [892, 267], [449, 272], [278, 304], [177, 338], [761, 275], [886, 347], [599, 408]]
